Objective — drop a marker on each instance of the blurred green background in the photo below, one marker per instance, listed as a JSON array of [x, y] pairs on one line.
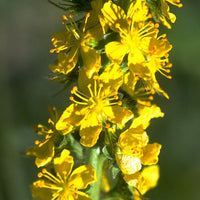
[[26, 27]]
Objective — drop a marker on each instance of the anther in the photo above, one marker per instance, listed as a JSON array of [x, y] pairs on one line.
[[150, 15], [166, 55], [119, 103], [180, 5], [169, 65], [156, 25], [71, 15], [71, 98], [70, 60], [74, 89], [52, 50], [40, 174], [47, 136], [82, 43], [150, 22], [169, 77], [37, 142], [64, 17], [117, 25], [128, 21], [116, 97], [107, 125], [151, 98], [49, 120], [87, 15], [44, 170]]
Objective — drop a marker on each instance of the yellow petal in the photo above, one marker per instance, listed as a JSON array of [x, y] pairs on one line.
[[84, 81], [145, 115], [63, 164], [116, 51], [129, 83], [128, 164], [65, 62], [44, 152], [114, 14], [144, 180], [150, 175], [82, 176], [40, 192], [112, 79], [91, 60], [62, 38], [82, 196], [138, 11], [150, 154], [132, 138], [136, 55], [90, 129], [118, 115], [69, 119], [139, 69]]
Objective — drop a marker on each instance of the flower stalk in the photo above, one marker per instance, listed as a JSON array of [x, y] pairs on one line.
[[96, 159], [98, 146]]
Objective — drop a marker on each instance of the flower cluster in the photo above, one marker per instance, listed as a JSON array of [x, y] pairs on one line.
[[109, 59]]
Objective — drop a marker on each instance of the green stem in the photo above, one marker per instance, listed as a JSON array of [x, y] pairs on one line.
[[96, 159]]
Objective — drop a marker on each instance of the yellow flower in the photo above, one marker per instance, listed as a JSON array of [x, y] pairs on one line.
[[156, 59], [95, 104], [135, 35], [135, 151], [66, 184], [166, 11], [163, 11], [44, 151], [72, 42], [143, 181]]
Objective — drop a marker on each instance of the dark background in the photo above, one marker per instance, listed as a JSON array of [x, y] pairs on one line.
[[26, 27]]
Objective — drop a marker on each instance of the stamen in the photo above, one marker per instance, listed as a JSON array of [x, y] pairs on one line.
[[58, 175], [77, 102], [86, 19], [90, 90], [76, 92], [100, 87], [167, 76], [95, 87], [121, 31], [39, 183], [50, 176], [71, 59]]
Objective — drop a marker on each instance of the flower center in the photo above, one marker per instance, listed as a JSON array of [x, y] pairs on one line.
[[96, 101]]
